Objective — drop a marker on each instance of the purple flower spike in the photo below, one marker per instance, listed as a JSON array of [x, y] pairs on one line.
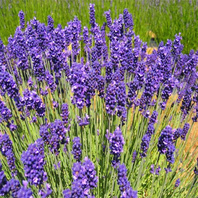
[[25, 192], [7, 151], [145, 145], [177, 183], [166, 144], [65, 113], [116, 141], [33, 161], [185, 131], [85, 179], [76, 149], [92, 15], [124, 185], [22, 19]]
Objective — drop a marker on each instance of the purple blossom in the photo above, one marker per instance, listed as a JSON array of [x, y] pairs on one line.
[[65, 113], [110, 99], [134, 156], [196, 168], [7, 151], [145, 145], [8, 85], [46, 191], [34, 160], [124, 184], [153, 117], [128, 20], [76, 149], [108, 18], [185, 131], [50, 24], [165, 144], [92, 15], [3, 182], [83, 121], [33, 101], [84, 179], [116, 141], [177, 183], [121, 100], [22, 19], [177, 133], [24, 191]]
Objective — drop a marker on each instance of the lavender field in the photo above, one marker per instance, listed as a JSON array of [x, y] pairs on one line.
[[88, 112]]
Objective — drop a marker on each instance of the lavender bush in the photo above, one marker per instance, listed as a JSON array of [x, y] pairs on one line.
[[88, 113]]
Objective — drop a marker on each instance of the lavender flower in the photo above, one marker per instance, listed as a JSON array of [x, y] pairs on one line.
[[177, 133], [153, 117], [24, 191], [110, 99], [46, 191], [65, 113], [14, 187], [83, 121], [50, 24], [185, 131], [3, 182], [165, 144], [145, 145], [116, 141], [22, 19], [134, 156], [128, 20], [34, 160], [85, 179], [196, 168], [76, 149], [108, 18], [7, 151], [92, 15], [177, 183], [8, 85], [124, 184], [33, 101]]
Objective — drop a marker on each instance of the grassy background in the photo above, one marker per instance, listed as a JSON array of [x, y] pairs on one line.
[[163, 17]]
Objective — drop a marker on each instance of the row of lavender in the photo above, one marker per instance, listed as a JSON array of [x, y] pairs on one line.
[[114, 85]]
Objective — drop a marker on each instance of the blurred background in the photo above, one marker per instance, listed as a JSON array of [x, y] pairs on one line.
[[161, 19]]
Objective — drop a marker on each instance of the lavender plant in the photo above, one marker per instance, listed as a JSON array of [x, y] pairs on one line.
[[69, 94]]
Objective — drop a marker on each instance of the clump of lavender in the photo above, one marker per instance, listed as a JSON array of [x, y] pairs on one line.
[[124, 185], [116, 141], [76, 149], [34, 160], [7, 151]]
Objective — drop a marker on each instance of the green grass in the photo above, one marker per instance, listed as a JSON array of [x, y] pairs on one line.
[[165, 19]]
